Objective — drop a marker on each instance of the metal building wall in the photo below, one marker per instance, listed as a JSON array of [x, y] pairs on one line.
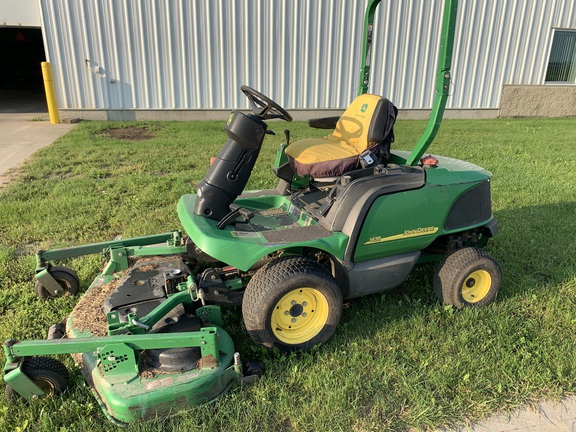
[[497, 42], [305, 54], [504, 42]]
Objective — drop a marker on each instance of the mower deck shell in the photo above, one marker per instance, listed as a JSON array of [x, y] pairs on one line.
[[152, 393], [157, 395]]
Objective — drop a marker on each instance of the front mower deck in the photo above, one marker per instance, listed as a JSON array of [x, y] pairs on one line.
[[151, 349]]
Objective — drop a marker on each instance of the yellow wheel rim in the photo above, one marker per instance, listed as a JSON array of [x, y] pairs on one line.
[[299, 316], [46, 386], [476, 286]]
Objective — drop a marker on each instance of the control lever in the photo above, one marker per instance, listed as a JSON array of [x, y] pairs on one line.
[[330, 198], [236, 212], [243, 159]]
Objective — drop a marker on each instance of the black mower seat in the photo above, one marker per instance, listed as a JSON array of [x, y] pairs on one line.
[[367, 124]]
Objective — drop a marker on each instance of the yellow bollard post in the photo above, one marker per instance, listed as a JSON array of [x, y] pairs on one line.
[[50, 93]]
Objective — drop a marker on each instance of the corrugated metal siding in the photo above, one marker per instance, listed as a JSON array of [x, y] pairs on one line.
[[305, 54], [497, 42]]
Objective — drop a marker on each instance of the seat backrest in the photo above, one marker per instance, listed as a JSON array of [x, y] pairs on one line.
[[368, 121]]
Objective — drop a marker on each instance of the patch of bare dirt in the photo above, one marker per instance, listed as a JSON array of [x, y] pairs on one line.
[[8, 176], [131, 133]]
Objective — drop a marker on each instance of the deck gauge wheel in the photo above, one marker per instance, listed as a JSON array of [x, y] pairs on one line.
[[66, 278], [47, 373]]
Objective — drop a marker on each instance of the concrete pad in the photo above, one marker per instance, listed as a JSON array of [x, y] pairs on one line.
[[20, 138], [544, 417], [24, 128]]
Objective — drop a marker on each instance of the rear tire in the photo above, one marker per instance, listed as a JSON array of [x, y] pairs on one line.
[[467, 277], [292, 303]]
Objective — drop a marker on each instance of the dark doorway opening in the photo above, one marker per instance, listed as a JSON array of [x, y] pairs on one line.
[[21, 85]]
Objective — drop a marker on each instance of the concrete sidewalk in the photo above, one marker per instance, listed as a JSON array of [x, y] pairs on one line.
[[21, 137], [544, 417], [24, 129]]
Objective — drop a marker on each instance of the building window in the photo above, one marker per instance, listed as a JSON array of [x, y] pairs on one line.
[[562, 62]]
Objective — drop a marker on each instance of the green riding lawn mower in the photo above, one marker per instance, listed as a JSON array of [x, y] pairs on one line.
[[349, 217]]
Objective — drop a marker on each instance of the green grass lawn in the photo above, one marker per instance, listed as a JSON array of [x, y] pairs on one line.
[[398, 361]]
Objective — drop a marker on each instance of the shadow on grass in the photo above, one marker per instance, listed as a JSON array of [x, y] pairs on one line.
[[535, 247], [536, 250], [462, 365]]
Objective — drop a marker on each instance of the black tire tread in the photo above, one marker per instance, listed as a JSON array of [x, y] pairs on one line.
[[60, 273], [10, 395], [460, 262], [47, 368], [254, 367], [265, 282]]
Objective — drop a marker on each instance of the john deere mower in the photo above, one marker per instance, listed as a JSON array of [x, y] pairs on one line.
[[349, 217]]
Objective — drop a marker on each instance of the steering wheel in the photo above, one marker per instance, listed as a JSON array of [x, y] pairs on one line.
[[263, 106]]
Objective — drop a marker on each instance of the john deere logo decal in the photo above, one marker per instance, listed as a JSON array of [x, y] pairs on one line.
[[364, 108], [406, 234], [230, 118]]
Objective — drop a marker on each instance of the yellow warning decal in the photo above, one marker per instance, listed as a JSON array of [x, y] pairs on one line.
[[417, 232]]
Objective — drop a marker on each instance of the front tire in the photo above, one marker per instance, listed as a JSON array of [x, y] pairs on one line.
[[292, 303], [467, 277]]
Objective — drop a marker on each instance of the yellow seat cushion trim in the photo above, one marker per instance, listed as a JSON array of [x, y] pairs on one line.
[[350, 138], [354, 124], [312, 150]]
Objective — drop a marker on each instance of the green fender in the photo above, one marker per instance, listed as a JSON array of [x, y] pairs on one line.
[[242, 247]]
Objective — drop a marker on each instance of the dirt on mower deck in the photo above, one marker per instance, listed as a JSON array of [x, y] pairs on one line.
[[88, 315]]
